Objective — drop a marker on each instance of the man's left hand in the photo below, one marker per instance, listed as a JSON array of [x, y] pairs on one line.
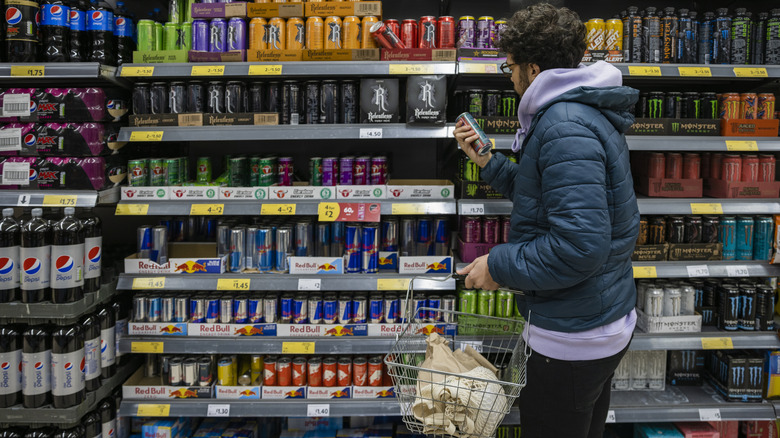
[[479, 275]]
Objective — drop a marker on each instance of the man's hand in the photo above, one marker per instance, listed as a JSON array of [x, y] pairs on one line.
[[479, 275], [465, 137]]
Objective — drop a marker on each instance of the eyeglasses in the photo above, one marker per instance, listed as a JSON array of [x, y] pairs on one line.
[[506, 69]]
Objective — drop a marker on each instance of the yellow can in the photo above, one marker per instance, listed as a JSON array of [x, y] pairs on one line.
[[257, 36], [315, 38], [256, 367], [226, 371], [595, 37], [333, 36], [614, 34], [351, 29], [275, 34], [295, 33], [366, 40]]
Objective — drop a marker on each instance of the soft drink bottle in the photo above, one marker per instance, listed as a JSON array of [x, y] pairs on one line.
[[10, 242], [67, 366], [77, 40], [122, 423], [91, 325], [107, 341], [108, 417], [92, 425], [100, 28], [35, 254], [123, 31], [55, 31], [41, 432], [93, 249], [36, 367], [122, 316], [21, 31], [10, 367], [67, 257]]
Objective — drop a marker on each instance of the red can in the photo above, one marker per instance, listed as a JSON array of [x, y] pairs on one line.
[[656, 165], [344, 376], [299, 371], [766, 172], [716, 162], [691, 166], [314, 371], [750, 168], [409, 33], [491, 229], [705, 165], [375, 371], [748, 105], [329, 371], [445, 34], [471, 229], [731, 168], [730, 104], [360, 371], [766, 106], [674, 165], [269, 371], [393, 25], [427, 32], [387, 379], [385, 37], [506, 228], [284, 371]]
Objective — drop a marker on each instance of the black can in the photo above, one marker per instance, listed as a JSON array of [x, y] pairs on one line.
[[691, 105], [348, 102], [721, 38], [142, 98], [693, 226], [311, 113], [710, 229], [741, 37], [196, 91], [657, 230], [728, 307], [765, 307], [159, 98], [215, 98], [710, 294], [329, 102], [177, 98], [509, 101], [669, 31], [256, 97], [655, 105], [672, 105], [235, 94], [274, 98], [675, 230], [640, 109], [475, 102], [491, 103], [747, 307], [709, 106], [292, 103], [651, 25], [759, 39]]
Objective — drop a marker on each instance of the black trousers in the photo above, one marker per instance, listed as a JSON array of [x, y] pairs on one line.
[[567, 399]]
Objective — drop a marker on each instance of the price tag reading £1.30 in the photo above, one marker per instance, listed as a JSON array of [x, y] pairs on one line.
[[737, 271], [218, 411]]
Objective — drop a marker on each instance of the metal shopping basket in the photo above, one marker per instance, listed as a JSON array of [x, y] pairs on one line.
[[471, 404]]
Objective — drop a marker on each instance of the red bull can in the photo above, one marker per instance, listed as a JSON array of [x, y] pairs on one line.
[[423, 237], [254, 309], [322, 243], [448, 304], [237, 246], [419, 301], [139, 308], [441, 240], [269, 309], [300, 309], [391, 309], [345, 309], [359, 305], [370, 247], [352, 248], [240, 309], [376, 312], [154, 308], [144, 242], [226, 310], [286, 308], [434, 302], [389, 235], [166, 312], [482, 144], [315, 308], [264, 246], [198, 310], [330, 309], [181, 307], [212, 310]]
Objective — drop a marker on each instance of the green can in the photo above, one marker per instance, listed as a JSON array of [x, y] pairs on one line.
[[137, 173], [176, 10], [468, 301], [512, 158], [237, 172], [486, 303], [470, 171], [171, 36], [315, 168], [156, 172], [188, 10], [185, 36], [267, 171], [204, 170], [171, 172], [146, 35], [158, 36], [505, 304], [254, 171], [184, 169]]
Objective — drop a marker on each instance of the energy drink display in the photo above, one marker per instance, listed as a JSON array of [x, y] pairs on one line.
[[705, 105], [53, 105], [641, 371], [484, 103], [426, 100]]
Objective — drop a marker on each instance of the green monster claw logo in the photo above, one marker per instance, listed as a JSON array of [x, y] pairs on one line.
[[377, 192], [160, 193], [259, 194], [508, 106], [696, 108], [325, 194], [656, 107], [445, 193], [471, 189], [210, 193], [675, 127]]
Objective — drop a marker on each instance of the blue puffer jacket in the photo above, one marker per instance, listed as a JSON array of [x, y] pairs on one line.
[[575, 218]]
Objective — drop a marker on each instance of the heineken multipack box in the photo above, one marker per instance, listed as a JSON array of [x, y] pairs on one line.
[[426, 100], [379, 101]]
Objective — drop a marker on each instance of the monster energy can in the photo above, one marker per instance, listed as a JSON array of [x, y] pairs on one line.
[[655, 105], [691, 105], [508, 106], [470, 170], [505, 304], [709, 106], [474, 101], [204, 170], [486, 303], [729, 307], [468, 301]]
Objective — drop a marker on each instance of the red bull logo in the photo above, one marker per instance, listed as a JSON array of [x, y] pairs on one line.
[[191, 267], [386, 393], [171, 329], [428, 329], [249, 331], [298, 393], [247, 393], [340, 331], [183, 393], [385, 261], [326, 267], [339, 394], [437, 267]]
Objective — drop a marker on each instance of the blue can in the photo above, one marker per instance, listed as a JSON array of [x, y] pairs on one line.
[[434, 302], [218, 35], [423, 237], [345, 309], [240, 310], [392, 308], [420, 301], [390, 235], [144, 242], [254, 311], [236, 34], [286, 308], [198, 310], [210, 229], [441, 239], [178, 230], [376, 309], [322, 242], [315, 308], [300, 309], [352, 248], [200, 35], [154, 308], [370, 248], [745, 229], [359, 305], [337, 231], [728, 237], [304, 239], [763, 237], [264, 249], [330, 309], [250, 253], [212, 310]]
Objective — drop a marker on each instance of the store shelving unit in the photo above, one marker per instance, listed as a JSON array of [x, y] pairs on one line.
[[68, 313], [58, 198], [59, 73], [648, 206], [683, 144]]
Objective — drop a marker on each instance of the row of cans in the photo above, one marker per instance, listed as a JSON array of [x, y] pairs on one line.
[[470, 171], [705, 105], [315, 33], [604, 35], [154, 172], [487, 229], [155, 36], [412, 236], [190, 371], [482, 33], [743, 237], [746, 106], [292, 308], [328, 371], [349, 170], [500, 303], [486, 103], [719, 166]]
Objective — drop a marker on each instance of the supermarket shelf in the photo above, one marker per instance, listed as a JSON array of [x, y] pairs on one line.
[[58, 72], [58, 198], [36, 313], [288, 282], [493, 207], [715, 268], [693, 341], [268, 408], [675, 143]]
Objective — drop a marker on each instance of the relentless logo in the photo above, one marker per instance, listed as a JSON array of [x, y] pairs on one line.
[[379, 98], [299, 34], [273, 36], [426, 95], [232, 36], [334, 34], [216, 38], [429, 32], [174, 101], [181, 38]]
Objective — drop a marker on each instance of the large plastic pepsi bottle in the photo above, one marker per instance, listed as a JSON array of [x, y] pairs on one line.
[[122, 316], [67, 259], [55, 31], [10, 245], [100, 28], [41, 432], [123, 31], [36, 367], [67, 366], [107, 341], [93, 250], [91, 326], [77, 41], [21, 30], [36, 259], [107, 411], [10, 367], [92, 425]]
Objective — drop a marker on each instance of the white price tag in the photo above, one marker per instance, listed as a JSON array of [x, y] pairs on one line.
[[218, 411], [309, 284], [709, 414], [476, 345], [23, 201], [370, 132], [11, 139], [698, 271], [16, 105], [318, 410], [737, 271], [16, 174], [610, 416], [472, 209]]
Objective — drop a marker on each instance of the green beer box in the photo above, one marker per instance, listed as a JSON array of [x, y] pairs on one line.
[[476, 325], [243, 193]]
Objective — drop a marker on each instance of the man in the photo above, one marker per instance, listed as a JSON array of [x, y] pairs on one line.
[[574, 222]]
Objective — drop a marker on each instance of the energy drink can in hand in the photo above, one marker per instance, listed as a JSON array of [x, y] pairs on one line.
[[482, 144]]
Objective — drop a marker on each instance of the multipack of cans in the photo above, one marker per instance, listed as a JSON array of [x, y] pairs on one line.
[[715, 165], [705, 105], [60, 139], [486, 103], [74, 173], [238, 427], [64, 104], [641, 370], [428, 32], [102, 420], [500, 303], [737, 375], [487, 229], [315, 33]]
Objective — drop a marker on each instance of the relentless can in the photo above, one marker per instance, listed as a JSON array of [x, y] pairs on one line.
[[386, 38], [215, 97], [296, 39], [218, 35], [409, 35], [445, 32], [333, 33], [276, 34], [367, 40], [257, 34], [315, 34], [351, 28]]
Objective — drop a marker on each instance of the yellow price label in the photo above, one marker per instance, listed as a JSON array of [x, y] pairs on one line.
[[410, 208], [265, 70], [297, 347], [468, 67], [278, 209], [708, 208], [411, 69], [59, 200], [28, 70], [146, 136], [741, 145], [717, 344], [153, 411], [233, 283], [137, 71], [132, 209], [750, 72], [645, 272], [207, 209], [392, 283], [148, 283], [695, 71], [328, 211], [644, 70], [147, 347], [208, 70], [493, 141]]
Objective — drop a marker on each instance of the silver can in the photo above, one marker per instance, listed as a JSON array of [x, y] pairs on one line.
[[641, 287], [226, 310], [181, 309], [250, 253], [688, 299], [654, 301], [672, 301], [284, 248], [269, 308], [223, 240], [190, 368]]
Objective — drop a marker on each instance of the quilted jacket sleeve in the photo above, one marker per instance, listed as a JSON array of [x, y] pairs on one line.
[[501, 173], [572, 165]]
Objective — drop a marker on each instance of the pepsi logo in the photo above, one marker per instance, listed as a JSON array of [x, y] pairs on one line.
[[13, 16], [120, 22], [6, 265], [33, 107], [30, 139], [39, 366], [111, 432], [33, 174], [103, 345], [56, 11], [68, 366], [82, 364], [64, 263], [31, 266], [74, 15], [111, 104], [97, 16], [94, 254], [5, 366], [38, 17]]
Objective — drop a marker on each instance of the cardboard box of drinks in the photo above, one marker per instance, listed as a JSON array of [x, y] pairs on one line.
[[750, 128], [204, 119], [440, 55], [269, 55], [300, 191], [271, 10], [219, 10], [670, 187], [183, 258], [681, 252], [477, 190], [668, 324], [468, 252], [218, 330], [342, 9], [650, 253], [160, 56], [735, 189], [231, 56], [498, 125], [425, 189], [139, 387], [603, 55], [473, 54], [677, 127], [307, 392]]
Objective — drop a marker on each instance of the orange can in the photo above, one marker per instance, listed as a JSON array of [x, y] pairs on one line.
[[284, 371], [333, 33], [351, 30], [269, 371], [315, 38], [262, 1], [729, 106], [315, 371], [275, 34], [279, 1], [295, 33], [613, 39], [257, 36], [766, 106], [748, 106], [368, 41], [329, 371], [595, 28], [375, 371], [344, 375]]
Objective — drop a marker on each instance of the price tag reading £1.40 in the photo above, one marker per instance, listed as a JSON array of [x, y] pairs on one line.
[[318, 410]]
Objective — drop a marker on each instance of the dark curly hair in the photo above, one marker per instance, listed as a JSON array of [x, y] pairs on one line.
[[545, 35]]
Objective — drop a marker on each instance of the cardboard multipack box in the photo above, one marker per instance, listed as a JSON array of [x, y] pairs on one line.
[[144, 193], [328, 392], [758, 429], [680, 252], [342, 9], [603, 55], [157, 329], [697, 430], [219, 10], [670, 188], [726, 429], [684, 367], [251, 119], [139, 387], [737, 189], [192, 193], [232, 56], [183, 258], [388, 261], [677, 127], [271, 10], [737, 376], [316, 265], [468, 54], [187, 119], [243, 193], [650, 253], [709, 315], [439, 55], [361, 192], [231, 330], [267, 55], [300, 191], [238, 392], [341, 55], [373, 392], [160, 56], [426, 189], [425, 265], [283, 392], [668, 324], [477, 190], [470, 251], [749, 128], [656, 430], [320, 330]]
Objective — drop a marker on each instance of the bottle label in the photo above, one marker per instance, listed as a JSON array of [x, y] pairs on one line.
[[123, 27], [67, 373], [35, 267], [78, 20], [55, 15], [92, 358], [11, 372], [109, 429], [120, 329], [93, 247], [9, 268], [100, 21], [67, 266], [36, 378], [107, 347]]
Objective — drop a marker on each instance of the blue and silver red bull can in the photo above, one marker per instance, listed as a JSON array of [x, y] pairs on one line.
[[200, 35], [177, 230], [337, 238], [264, 249], [154, 308], [304, 239], [434, 302], [209, 231], [389, 235], [212, 310], [300, 313], [270, 307], [391, 308], [240, 309], [423, 237], [728, 237], [139, 308], [198, 310], [144, 242], [359, 305], [330, 309], [441, 239], [352, 248], [159, 252], [370, 248], [482, 144], [345, 309], [254, 309], [315, 308], [236, 34], [250, 252], [166, 310], [763, 237], [218, 35], [237, 247], [223, 240], [376, 309], [226, 310], [322, 242], [419, 301], [286, 308]]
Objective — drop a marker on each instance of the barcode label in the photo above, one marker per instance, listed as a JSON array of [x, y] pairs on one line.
[[11, 139], [367, 8], [364, 53], [266, 119], [294, 119], [16, 174], [16, 105], [190, 119]]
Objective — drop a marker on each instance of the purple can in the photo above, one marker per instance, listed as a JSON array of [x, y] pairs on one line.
[[379, 170], [506, 227], [284, 171], [484, 36], [466, 32], [217, 35], [346, 174], [491, 229], [236, 34], [471, 229], [360, 171], [498, 29], [330, 171], [200, 35]]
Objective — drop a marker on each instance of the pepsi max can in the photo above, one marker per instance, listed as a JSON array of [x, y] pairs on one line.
[[270, 309], [240, 309], [264, 244], [144, 242], [237, 245], [315, 308], [391, 308], [287, 305], [352, 248], [370, 248], [376, 309], [300, 313], [330, 309], [198, 307], [254, 309], [359, 305], [423, 237], [212, 310], [217, 35], [154, 308], [345, 309]]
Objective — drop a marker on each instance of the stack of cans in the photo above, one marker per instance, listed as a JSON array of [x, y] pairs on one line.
[[498, 303], [158, 172], [219, 35], [420, 237], [482, 33], [488, 229], [485, 103], [705, 105], [348, 171], [328, 371], [189, 371], [316, 33]]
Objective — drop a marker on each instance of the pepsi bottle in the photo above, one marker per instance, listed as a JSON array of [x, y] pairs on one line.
[[55, 31], [91, 326], [10, 245], [92, 425], [122, 316], [107, 341], [67, 259], [123, 31], [67, 367], [122, 423], [100, 28], [77, 40], [11, 432], [35, 254], [93, 249], [21, 30], [41, 432], [36, 367], [107, 411], [10, 367], [73, 432]]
